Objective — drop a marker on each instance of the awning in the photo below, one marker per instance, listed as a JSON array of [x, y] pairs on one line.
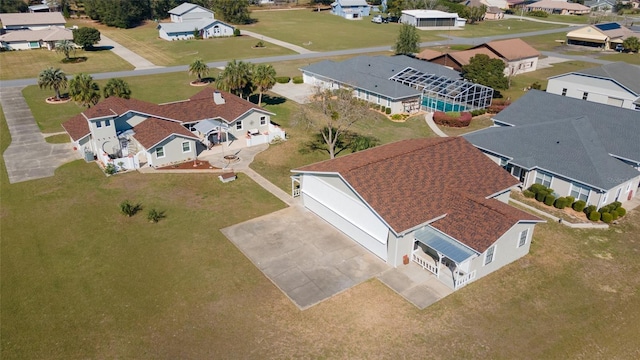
[[207, 126], [444, 244]]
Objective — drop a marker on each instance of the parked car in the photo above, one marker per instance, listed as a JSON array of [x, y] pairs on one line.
[[377, 19], [619, 48], [392, 19]]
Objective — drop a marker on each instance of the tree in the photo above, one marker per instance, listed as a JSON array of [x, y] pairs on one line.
[[236, 78], [474, 13], [332, 114], [84, 90], [408, 40], [233, 11], [13, 6], [118, 13], [51, 78], [631, 44], [65, 47], [198, 68], [118, 88], [86, 37], [485, 71], [264, 77]]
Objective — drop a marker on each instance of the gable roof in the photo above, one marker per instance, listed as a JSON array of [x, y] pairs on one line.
[[186, 7], [554, 4], [36, 18], [77, 127], [189, 26], [372, 73], [152, 131], [438, 177], [463, 57], [52, 34], [624, 73], [511, 49], [428, 54], [572, 148], [351, 3]]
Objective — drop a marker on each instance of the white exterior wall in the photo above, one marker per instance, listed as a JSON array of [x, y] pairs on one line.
[[20, 45], [599, 90], [521, 66], [250, 121], [223, 30], [172, 152]]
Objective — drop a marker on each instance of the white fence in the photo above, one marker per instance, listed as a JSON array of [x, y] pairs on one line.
[[273, 133], [126, 163]]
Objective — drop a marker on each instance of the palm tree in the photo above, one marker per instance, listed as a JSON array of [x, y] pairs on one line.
[[117, 87], [198, 68], [65, 47], [264, 77], [84, 90], [51, 78], [236, 78]]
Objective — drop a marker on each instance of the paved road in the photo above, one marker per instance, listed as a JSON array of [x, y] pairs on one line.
[[29, 156]]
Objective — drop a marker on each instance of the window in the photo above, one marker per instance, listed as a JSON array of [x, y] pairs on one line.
[[389, 104], [585, 95], [637, 107], [263, 120], [615, 102], [604, 198], [488, 256], [186, 147], [579, 192], [378, 100], [107, 123], [523, 238], [366, 95], [503, 162], [564, 92], [359, 93], [544, 179], [160, 152], [98, 124], [239, 125]]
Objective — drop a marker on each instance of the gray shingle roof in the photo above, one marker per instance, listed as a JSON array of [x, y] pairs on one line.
[[372, 73], [185, 7], [188, 26], [626, 74]]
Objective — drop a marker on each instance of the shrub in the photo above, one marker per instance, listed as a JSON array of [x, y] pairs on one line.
[[446, 119], [614, 205], [126, 208], [560, 203], [540, 196], [478, 112], [528, 194], [397, 117], [236, 32], [536, 85], [621, 211], [590, 209], [535, 188], [570, 200], [283, 79], [387, 111], [154, 215], [110, 169], [594, 216], [614, 214], [260, 44], [538, 13], [297, 80], [604, 209], [607, 217], [549, 199], [579, 205], [497, 106]]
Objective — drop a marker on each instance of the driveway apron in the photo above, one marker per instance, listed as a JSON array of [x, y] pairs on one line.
[[29, 156]]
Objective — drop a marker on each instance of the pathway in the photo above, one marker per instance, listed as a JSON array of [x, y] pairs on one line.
[[29, 156], [134, 59], [428, 117], [296, 48]]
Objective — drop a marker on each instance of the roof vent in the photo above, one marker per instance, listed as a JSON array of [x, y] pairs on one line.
[[217, 98]]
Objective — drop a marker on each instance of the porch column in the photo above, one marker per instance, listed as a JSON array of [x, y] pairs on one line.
[[439, 263]]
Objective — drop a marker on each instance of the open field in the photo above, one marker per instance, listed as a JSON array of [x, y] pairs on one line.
[[626, 57], [79, 280], [502, 27], [329, 32], [29, 63]]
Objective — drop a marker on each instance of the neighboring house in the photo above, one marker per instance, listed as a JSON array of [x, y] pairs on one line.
[[616, 84], [350, 9], [401, 83], [428, 54], [494, 13], [188, 19], [457, 59], [135, 132], [600, 5], [432, 19], [34, 39], [39, 8], [578, 148], [448, 213], [605, 35], [558, 7], [493, 7], [32, 21]]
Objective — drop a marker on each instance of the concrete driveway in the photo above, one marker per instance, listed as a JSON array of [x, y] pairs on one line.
[[308, 259]]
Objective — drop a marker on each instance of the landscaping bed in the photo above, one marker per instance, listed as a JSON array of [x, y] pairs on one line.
[[566, 214]]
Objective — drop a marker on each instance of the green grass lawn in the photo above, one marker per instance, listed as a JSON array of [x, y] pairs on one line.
[[571, 19], [502, 27], [58, 139], [626, 57]]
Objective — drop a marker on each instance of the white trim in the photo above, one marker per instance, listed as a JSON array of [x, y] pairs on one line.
[[493, 255], [526, 238], [188, 145], [239, 124], [163, 152]]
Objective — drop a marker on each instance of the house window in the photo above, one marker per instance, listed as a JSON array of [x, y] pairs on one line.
[[604, 197], [378, 100], [637, 107], [579, 192], [564, 92], [239, 125], [503, 162], [107, 123], [366, 95], [585, 95], [263, 120], [523, 238], [389, 103], [186, 147], [544, 179], [359, 93], [488, 256], [159, 152], [98, 124]]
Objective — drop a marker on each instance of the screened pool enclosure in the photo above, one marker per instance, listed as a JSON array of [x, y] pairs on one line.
[[445, 94]]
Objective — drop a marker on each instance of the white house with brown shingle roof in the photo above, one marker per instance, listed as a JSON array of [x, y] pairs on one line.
[[449, 213], [136, 132], [519, 57]]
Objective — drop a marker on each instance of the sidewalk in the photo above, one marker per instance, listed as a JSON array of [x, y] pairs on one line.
[[134, 59], [296, 48], [428, 117]]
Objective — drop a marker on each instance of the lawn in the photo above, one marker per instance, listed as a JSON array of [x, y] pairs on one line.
[[502, 27], [145, 42], [328, 32], [29, 63]]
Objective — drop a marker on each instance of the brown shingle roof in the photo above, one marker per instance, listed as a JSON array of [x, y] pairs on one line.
[[77, 127], [428, 54], [152, 131], [115, 106], [463, 57], [411, 182], [512, 49]]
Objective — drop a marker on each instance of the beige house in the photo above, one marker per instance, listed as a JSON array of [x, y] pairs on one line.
[[558, 7], [605, 36]]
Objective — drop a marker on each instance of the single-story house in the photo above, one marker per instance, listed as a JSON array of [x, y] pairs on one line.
[[605, 35], [187, 19], [494, 7], [449, 214], [135, 132], [39, 8], [494, 13], [600, 5], [616, 84], [32, 21], [400, 83], [457, 59], [428, 54], [558, 7], [351, 9], [34, 39], [432, 19], [578, 148]]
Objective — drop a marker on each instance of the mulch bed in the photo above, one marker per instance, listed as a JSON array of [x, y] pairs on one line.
[[189, 165]]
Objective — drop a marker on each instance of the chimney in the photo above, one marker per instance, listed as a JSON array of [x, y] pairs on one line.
[[217, 98]]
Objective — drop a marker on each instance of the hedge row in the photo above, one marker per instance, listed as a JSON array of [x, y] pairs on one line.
[[297, 80], [383, 109], [451, 120], [497, 106], [282, 79], [607, 213]]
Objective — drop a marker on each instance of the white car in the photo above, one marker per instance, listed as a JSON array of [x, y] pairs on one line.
[[377, 19]]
